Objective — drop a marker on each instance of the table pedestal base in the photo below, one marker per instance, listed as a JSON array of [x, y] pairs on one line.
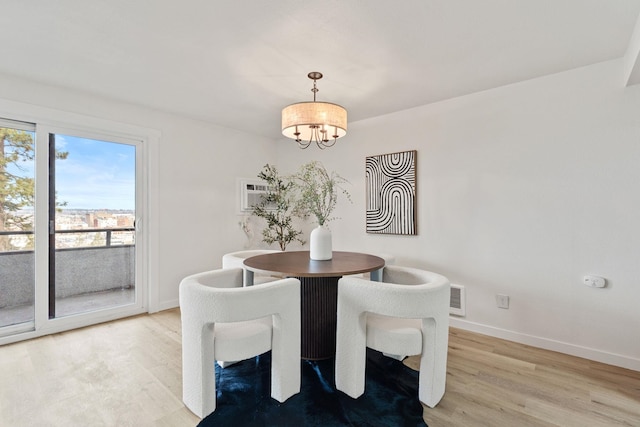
[[319, 308]]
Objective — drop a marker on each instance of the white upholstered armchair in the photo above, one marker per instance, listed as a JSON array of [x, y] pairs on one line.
[[406, 313], [222, 320], [236, 260]]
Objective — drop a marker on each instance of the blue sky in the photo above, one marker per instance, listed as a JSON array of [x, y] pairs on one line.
[[96, 174]]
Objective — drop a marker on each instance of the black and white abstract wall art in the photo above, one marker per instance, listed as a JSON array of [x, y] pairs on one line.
[[391, 193]]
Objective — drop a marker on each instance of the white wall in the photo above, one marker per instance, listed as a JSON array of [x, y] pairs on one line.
[[193, 193], [198, 213], [522, 190]]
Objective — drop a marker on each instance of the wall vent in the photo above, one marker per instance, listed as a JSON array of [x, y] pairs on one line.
[[457, 303]]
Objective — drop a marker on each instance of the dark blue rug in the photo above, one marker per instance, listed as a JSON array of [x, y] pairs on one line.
[[244, 396]]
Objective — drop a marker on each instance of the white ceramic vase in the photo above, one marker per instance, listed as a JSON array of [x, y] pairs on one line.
[[320, 244]]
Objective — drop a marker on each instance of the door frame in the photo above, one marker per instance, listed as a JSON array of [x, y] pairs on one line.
[[50, 120]]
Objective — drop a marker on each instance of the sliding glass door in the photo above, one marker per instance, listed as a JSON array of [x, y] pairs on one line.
[[92, 211], [69, 228]]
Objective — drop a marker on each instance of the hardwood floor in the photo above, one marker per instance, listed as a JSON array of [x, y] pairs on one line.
[[128, 373], [492, 382]]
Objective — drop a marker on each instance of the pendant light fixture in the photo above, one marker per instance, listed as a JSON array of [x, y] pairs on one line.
[[319, 122]]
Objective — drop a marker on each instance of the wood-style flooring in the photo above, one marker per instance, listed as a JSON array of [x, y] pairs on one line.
[[128, 373]]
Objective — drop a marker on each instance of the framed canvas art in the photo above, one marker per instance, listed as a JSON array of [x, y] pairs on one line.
[[391, 193]]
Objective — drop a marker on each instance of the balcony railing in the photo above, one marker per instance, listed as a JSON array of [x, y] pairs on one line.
[[109, 232], [78, 270]]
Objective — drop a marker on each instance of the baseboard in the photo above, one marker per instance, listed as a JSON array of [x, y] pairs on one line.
[[548, 344], [167, 305]]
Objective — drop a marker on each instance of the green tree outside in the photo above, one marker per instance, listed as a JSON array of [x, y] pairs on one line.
[[17, 191]]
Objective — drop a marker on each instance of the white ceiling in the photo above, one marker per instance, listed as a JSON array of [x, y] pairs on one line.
[[238, 63]]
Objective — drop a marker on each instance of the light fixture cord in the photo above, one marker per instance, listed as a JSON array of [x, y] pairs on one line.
[[314, 90]]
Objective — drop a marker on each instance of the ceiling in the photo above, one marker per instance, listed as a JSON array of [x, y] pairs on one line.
[[238, 63]]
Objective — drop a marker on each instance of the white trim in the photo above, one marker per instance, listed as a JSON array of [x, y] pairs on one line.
[[17, 124], [71, 322], [30, 113], [168, 305], [548, 344], [20, 328], [152, 235], [41, 232]]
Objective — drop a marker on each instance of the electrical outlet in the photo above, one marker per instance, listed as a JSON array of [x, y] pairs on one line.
[[502, 301]]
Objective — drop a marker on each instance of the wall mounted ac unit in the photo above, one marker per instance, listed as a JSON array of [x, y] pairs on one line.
[[251, 193]]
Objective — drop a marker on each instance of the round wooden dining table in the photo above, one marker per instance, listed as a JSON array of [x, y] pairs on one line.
[[318, 291]]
